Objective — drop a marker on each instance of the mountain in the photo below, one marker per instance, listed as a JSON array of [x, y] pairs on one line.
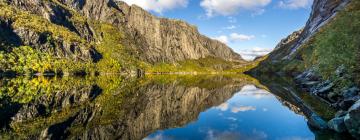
[[105, 35], [323, 58]]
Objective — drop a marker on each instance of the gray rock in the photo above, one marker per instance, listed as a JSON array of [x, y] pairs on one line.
[[322, 88], [337, 124], [340, 71], [340, 113], [322, 12], [352, 120], [154, 39], [309, 84], [347, 103], [326, 88], [351, 92], [307, 76]]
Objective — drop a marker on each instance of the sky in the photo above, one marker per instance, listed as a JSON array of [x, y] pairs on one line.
[[250, 27]]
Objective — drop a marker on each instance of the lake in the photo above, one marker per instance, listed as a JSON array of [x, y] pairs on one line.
[[156, 107]]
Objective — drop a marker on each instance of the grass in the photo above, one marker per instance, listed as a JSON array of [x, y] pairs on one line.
[[202, 65], [337, 43], [109, 40], [38, 24]]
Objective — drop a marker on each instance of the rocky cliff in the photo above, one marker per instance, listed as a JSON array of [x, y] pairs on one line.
[[323, 11], [91, 30]]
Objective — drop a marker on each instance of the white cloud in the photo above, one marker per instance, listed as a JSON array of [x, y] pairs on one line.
[[251, 54], [234, 37], [232, 20], [295, 4], [241, 37], [223, 39], [230, 27], [231, 7], [158, 6], [258, 12], [242, 109]]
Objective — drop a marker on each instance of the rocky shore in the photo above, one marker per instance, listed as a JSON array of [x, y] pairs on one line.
[[346, 100]]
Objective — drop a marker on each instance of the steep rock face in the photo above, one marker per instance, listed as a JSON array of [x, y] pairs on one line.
[[173, 40], [322, 12], [21, 28], [285, 46], [156, 39]]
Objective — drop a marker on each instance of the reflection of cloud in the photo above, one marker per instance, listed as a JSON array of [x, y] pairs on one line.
[[230, 135], [223, 106], [251, 90], [156, 137], [242, 109], [265, 109], [231, 118], [234, 108]]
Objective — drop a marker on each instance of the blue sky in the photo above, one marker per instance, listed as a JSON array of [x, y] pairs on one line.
[[249, 27]]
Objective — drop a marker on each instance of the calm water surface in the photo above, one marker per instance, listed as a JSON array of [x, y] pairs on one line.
[[251, 114], [165, 107]]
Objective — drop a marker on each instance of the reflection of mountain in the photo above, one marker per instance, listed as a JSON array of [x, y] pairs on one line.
[[123, 110], [302, 104]]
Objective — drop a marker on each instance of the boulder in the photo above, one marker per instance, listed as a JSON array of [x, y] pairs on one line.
[[307, 76], [337, 124], [340, 71], [323, 88], [351, 92], [352, 120], [340, 113], [348, 102]]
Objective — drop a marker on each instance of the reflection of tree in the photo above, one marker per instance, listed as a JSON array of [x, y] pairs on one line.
[[127, 108]]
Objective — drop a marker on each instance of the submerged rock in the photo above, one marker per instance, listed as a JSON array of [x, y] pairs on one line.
[[337, 124], [340, 113], [352, 120], [317, 122], [348, 102]]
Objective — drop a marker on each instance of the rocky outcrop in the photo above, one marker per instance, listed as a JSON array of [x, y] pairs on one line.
[[172, 40], [352, 119], [285, 45], [41, 38], [156, 39], [322, 12]]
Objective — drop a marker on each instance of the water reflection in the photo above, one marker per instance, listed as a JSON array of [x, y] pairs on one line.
[[153, 107], [251, 114]]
